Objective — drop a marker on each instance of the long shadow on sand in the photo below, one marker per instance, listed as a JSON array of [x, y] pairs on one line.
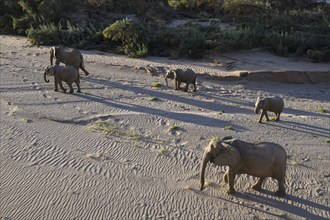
[[198, 103], [184, 117], [288, 204], [303, 128]]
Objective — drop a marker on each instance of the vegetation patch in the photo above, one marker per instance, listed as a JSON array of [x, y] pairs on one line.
[[327, 140], [296, 28], [173, 128], [155, 84], [164, 151], [153, 99], [229, 127], [321, 110], [214, 138]]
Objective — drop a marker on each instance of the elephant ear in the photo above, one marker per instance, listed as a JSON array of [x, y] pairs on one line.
[[228, 156], [50, 70], [174, 74]]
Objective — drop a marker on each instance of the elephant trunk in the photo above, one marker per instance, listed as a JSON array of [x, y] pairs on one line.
[[51, 58], [47, 81], [256, 110], [205, 160]]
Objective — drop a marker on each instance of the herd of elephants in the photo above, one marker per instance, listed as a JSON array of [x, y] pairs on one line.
[[262, 160]]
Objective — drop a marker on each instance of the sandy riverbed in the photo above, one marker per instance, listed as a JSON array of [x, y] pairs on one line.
[[58, 161]]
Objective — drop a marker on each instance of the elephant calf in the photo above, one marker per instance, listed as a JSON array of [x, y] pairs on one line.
[[261, 160], [68, 74], [187, 76], [273, 104], [68, 56]]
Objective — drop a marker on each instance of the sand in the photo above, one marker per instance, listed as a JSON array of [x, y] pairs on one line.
[[123, 149]]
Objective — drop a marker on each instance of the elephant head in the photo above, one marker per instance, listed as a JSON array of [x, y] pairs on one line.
[[169, 74], [219, 153], [259, 105], [48, 71]]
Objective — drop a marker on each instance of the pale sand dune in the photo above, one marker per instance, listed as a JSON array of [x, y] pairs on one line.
[[56, 165]]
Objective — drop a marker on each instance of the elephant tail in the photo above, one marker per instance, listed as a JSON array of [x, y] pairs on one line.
[[85, 71], [82, 66]]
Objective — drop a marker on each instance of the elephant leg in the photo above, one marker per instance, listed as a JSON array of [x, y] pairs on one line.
[[176, 85], [186, 88], [278, 116], [258, 184], [225, 177], [78, 86], [61, 85], [281, 187], [56, 85], [267, 118], [231, 180], [70, 86], [179, 84], [194, 83], [261, 116]]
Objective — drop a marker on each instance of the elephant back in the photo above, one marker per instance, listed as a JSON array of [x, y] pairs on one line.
[[274, 104], [69, 56], [186, 75]]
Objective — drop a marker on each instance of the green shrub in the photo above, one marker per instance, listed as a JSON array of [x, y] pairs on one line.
[[84, 35], [22, 24], [6, 26], [44, 34], [192, 44], [131, 36]]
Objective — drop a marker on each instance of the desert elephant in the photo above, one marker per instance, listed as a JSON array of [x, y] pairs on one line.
[[187, 76], [261, 160], [68, 56], [272, 104], [68, 74]]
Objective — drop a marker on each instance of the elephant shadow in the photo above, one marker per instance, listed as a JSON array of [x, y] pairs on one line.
[[300, 127], [288, 204]]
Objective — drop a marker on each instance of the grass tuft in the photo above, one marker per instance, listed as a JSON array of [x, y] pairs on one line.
[[321, 110], [173, 128], [164, 151], [327, 140], [214, 138], [229, 127], [155, 84], [153, 99]]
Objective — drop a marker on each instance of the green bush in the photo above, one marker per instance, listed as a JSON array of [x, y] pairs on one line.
[[44, 34], [83, 36], [6, 21], [130, 36], [22, 24], [191, 44]]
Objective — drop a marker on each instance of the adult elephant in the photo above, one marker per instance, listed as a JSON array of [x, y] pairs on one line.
[[264, 159], [68, 56]]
